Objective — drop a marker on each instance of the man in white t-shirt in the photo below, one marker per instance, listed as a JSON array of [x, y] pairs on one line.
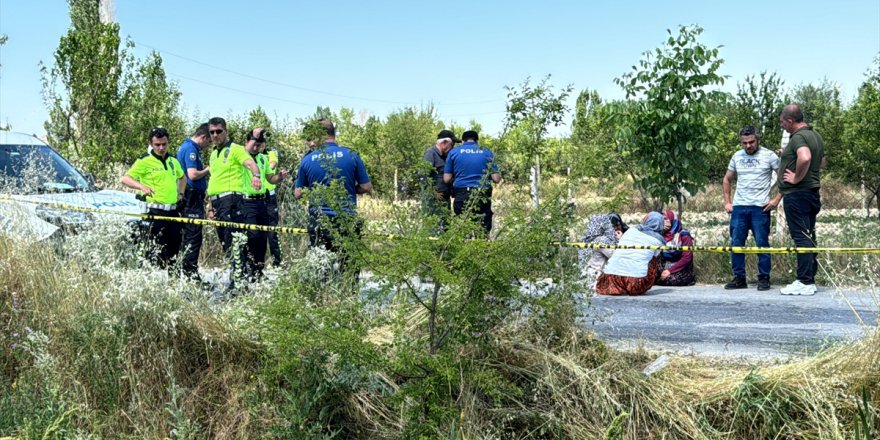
[[752, 168]]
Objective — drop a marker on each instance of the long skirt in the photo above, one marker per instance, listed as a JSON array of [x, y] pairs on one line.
[[623, 285], [684, 277]]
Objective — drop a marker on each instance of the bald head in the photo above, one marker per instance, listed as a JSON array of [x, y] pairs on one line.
[[793, 113]]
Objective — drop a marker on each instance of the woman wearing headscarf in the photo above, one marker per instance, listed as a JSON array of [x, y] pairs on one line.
[[634, 271], [602, 229], [678, 266]]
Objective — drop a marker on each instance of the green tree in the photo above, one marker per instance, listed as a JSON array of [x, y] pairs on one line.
[[823, 110], [758, 101], [534, 109], [665, 133], [101, 99], [593, 137], [860, 160], [406, 135]]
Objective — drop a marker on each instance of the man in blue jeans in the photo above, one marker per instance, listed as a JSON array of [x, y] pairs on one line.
[[752, 167]]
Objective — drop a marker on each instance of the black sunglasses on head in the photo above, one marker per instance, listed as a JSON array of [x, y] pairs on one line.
[[158, 132]]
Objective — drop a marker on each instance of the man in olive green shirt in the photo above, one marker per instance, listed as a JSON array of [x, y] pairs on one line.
[[800, 172], [226, 187], [159, 177]]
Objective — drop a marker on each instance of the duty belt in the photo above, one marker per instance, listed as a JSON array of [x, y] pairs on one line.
[[271, 192], [169, 207], [222, 195], [256, 196]]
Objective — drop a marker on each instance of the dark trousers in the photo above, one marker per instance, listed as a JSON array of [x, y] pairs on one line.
[[801, 209], [255, 212], [193, 207], [742, 220], [274, 247], [327, 230], [476, 202], [228, 209], [164, 237], [440, 206]]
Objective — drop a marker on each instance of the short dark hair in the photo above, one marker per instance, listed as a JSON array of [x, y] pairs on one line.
[[157, 132], [329, 128], [217, 121], [202, 130], [749, 130], [793, 112]]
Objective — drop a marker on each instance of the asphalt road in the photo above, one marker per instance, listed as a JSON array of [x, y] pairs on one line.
[[710, 321]]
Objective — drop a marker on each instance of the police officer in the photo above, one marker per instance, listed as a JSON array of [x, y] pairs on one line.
[[159, 177], [472, 169], [189, 156], [254, 207], [232, 171], [438, 194], [272, 203], [321, 166]]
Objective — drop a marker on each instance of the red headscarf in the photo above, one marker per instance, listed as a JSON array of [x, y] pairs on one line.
[[675, 224]]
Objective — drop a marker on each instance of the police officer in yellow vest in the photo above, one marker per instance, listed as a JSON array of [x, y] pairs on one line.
[[272, 204], [159, 177], [254, 207], [233, 171]]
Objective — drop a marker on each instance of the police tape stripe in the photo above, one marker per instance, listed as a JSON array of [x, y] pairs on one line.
[[578, 245], [728, 249]]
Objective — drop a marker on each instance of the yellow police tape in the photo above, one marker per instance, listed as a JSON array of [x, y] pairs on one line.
[[579, 245]]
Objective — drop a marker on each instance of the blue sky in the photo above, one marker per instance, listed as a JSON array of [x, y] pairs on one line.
[[381, 55]]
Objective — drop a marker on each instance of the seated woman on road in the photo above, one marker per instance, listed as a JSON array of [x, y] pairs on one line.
[[602, 229], [678, 266], [634, 271]]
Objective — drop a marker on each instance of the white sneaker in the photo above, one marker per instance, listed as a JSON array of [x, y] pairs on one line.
[[799, 288]]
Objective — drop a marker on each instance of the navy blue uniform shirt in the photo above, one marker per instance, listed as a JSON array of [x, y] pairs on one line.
[[328, 162], [471, 166], [189, 157]]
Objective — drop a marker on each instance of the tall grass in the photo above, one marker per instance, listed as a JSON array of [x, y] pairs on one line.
[[96, 344]]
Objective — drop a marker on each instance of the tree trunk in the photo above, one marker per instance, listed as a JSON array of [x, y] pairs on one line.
[[646, 204], [865, 206], [395, 184], [432, 322], [535, 177], [877, 199], [568, 184], [680, 198]]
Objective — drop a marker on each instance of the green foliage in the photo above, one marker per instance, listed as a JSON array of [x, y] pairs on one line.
[[102, 101], [860, 161], [758, 102], [593, 135], [534, 109], [665, 134], [406, 134], [824, 111], [453, 294]]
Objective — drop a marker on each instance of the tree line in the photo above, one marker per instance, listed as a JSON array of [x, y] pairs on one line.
[[671, 135]]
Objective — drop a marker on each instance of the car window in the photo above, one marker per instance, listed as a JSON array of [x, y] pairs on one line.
[[31, 169]]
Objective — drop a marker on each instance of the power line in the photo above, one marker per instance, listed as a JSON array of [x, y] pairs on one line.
[[241, 91], [175, 75], [305, 89]]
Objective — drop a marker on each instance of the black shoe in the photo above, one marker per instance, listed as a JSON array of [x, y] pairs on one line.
[[763, 283], [736, 283]]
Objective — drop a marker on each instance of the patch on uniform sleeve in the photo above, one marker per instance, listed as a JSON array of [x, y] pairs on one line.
[[192, 156]]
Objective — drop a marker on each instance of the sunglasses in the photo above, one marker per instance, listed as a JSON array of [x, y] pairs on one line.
[[158, 132], [216, 131]]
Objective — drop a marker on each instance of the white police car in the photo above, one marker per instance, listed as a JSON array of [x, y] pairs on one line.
[[33, 177]]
